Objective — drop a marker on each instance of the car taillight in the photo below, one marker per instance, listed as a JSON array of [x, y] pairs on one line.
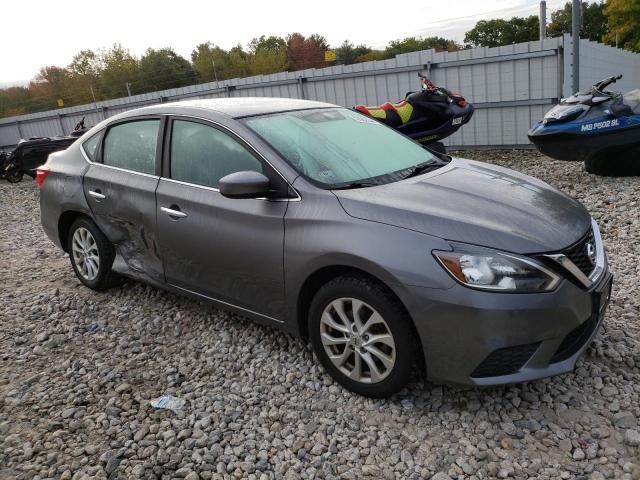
[[41, 174]]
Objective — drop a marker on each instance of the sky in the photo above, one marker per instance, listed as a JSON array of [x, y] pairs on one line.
[[36, 33]]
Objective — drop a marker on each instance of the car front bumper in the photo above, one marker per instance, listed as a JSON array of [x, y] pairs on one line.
[[472, 337]]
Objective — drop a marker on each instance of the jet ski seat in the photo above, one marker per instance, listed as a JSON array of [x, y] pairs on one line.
[[632, 100], [392, 114]]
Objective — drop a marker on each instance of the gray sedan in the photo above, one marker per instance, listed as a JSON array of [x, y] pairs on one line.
[[311, 217]]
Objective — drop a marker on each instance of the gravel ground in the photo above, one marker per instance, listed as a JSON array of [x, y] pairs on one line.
[[75, 399]]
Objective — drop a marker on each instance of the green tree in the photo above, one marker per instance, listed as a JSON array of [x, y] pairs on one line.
[[498, 32], [371, 56], [271, 43], [50, 85], [237, 63], [16, 101], [348, 53], [594, 23], [119, 67], [86, 63], [85, 70], [209, 62], [624, 23], [267, 55], [415, 44], [162, 69]]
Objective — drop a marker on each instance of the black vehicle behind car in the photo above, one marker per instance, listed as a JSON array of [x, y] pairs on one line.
[[30, 154]]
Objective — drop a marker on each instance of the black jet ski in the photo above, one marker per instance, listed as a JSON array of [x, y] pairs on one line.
[[599, 127], [427, 116]]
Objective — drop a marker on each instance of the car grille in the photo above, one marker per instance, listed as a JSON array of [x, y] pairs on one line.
[[575, 340], [577, 253], [505, 361]]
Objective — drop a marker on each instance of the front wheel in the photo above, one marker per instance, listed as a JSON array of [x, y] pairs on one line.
[[91, 255], [362, 336]]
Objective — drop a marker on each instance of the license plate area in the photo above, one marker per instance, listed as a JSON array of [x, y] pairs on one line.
[[602, 297]]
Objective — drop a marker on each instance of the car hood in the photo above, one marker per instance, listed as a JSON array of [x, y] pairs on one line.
[[477, 203]]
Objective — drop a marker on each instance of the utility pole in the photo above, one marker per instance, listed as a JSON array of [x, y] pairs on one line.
[[543, 20], [215, 73], [575, 35], [95, 103], [128, 85]]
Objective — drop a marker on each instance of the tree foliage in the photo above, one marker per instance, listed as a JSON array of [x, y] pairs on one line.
[[163, 68], [305, 52], [119, 67], [624, 23], [349, 53], [414, 44], [106, 73], [498, 32], [594, 22]]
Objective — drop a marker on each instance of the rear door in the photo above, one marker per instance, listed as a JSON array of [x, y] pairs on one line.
[[230, 250], [120, 188]]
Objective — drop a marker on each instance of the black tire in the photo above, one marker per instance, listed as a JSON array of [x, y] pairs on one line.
[[615, 165], [397, 320], [105, 277], [14, 175]]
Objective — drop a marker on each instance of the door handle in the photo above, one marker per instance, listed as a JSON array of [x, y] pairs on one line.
[[172, 212], [97, 194]]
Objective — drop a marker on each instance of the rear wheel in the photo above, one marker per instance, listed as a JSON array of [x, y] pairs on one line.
[[362, 336], [91, 255], [14, 175]]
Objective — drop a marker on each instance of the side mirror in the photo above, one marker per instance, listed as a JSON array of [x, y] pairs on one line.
[[246, 184]]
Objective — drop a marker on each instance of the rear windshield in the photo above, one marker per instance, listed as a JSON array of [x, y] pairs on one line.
[[336, 147]]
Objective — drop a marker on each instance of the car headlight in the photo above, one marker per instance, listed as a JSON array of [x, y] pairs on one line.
[[497, 271]]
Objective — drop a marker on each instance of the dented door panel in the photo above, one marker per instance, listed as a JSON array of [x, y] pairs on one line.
[[127, 216]]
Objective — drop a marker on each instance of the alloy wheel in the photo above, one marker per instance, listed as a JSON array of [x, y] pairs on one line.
[[357, 340], [85, 253]]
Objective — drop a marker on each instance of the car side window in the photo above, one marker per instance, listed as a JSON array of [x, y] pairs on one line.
[[202, 155], [132, 146], [90, 147]]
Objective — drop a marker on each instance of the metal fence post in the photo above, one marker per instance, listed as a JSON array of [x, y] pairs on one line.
[[61, 124], [19, 129], [301, 81], [575, 36], [560, 67]]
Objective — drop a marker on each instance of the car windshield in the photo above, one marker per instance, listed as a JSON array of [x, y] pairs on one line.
[[338, 148]]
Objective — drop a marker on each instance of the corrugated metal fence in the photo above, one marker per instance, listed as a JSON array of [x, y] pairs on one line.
[[511, 87]]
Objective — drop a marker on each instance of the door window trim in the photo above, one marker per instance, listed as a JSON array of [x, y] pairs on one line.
[[104, 132], [166, 157]]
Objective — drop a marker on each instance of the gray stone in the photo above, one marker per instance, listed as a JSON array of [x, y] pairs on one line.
[[632, 438]]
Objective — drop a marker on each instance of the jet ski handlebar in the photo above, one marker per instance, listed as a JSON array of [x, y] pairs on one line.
[[601, 85]]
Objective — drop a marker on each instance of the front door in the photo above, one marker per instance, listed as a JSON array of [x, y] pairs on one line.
[[230, 250], [120, 188]]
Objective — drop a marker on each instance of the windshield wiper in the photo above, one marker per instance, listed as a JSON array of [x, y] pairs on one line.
[[423, 168], [355, 185]]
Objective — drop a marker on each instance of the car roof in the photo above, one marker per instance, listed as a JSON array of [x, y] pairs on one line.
[[232, 107]]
